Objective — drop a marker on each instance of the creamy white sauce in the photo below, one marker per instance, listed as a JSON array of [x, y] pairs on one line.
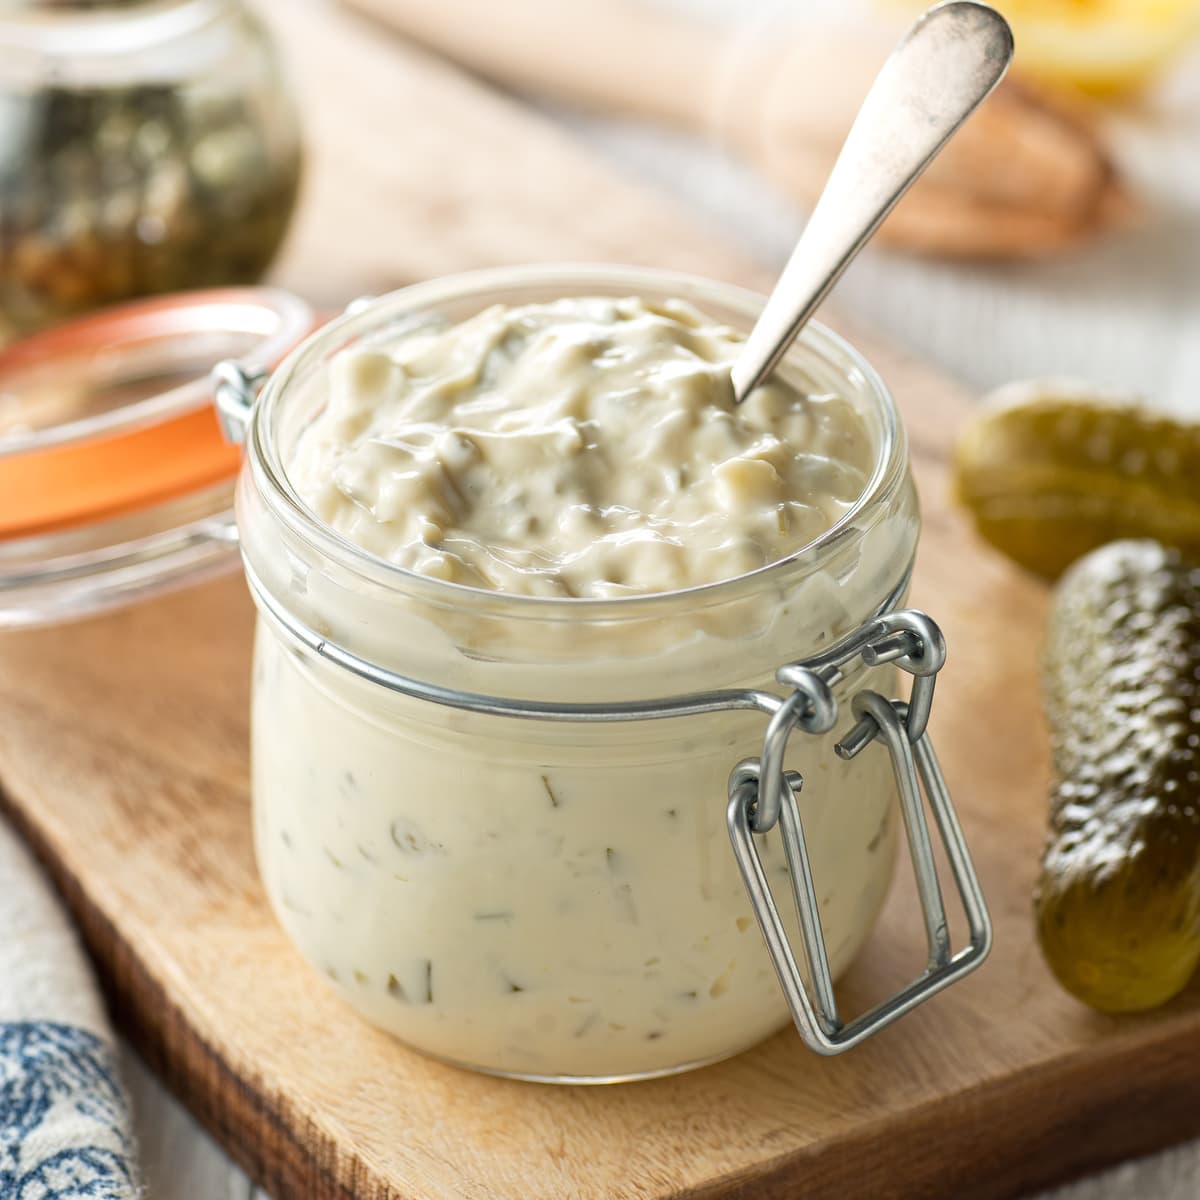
[[543, 902], [557, 900], [587, 447]]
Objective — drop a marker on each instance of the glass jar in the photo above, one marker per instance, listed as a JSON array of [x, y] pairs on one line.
[[144, 147], [498, 824], [116, 482]]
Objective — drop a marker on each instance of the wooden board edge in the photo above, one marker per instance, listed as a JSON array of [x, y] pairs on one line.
[[1107, 1116], [1110, 1112]]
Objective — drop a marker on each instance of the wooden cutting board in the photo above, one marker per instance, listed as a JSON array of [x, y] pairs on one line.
[[123, 749]]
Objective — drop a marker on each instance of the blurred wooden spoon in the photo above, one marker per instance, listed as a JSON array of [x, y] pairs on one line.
[[1026, 178]]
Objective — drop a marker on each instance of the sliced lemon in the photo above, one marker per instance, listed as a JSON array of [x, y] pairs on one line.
[[1099, 46]]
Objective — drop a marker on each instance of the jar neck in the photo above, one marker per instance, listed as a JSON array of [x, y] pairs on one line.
[[732, 692]]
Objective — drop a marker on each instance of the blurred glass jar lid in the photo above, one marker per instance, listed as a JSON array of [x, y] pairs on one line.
[[115, 479]]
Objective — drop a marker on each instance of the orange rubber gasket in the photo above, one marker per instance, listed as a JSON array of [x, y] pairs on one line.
[[146, 459], [92, 481]]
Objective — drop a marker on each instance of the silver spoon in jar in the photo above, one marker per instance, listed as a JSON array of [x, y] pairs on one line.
[[946, 66]]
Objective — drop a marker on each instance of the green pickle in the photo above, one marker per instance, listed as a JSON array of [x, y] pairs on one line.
[[1049, 474], [1118, 903]]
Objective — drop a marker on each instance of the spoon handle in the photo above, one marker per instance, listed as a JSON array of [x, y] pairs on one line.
[[946, 66]]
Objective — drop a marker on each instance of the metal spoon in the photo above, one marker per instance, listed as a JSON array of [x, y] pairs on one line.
[[946, 66]]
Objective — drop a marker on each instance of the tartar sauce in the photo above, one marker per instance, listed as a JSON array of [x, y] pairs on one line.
[[586, 447]]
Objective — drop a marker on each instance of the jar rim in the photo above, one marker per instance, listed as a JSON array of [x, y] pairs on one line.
[[265, 467]]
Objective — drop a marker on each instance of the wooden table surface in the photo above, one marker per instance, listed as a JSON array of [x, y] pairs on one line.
[[181, 1161]]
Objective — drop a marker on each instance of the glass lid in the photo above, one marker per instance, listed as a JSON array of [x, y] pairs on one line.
[[115, 479]]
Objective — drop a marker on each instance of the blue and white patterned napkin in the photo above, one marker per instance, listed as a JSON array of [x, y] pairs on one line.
[[64, 1118]]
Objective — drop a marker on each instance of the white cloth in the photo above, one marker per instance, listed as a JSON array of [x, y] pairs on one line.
[[64, 1120]]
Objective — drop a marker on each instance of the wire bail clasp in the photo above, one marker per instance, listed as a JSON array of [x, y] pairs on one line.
[[763, 794], [237, 387]]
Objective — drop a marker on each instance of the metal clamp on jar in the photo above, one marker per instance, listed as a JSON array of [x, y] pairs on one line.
[[762, 793]]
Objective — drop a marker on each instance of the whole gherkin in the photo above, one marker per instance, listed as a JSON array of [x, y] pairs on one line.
[[1118, 903], [1049, 473]]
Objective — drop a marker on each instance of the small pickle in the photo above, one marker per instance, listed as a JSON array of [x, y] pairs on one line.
[[1118, 903], [1050, 472]]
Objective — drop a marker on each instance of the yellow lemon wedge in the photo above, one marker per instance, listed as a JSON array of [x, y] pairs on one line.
[[1103, 47]]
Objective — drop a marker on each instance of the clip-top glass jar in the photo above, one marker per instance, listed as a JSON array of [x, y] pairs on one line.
[[145, 146], [500, 825]]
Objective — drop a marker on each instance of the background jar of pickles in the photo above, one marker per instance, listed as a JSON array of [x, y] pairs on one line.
[[145, 146]]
